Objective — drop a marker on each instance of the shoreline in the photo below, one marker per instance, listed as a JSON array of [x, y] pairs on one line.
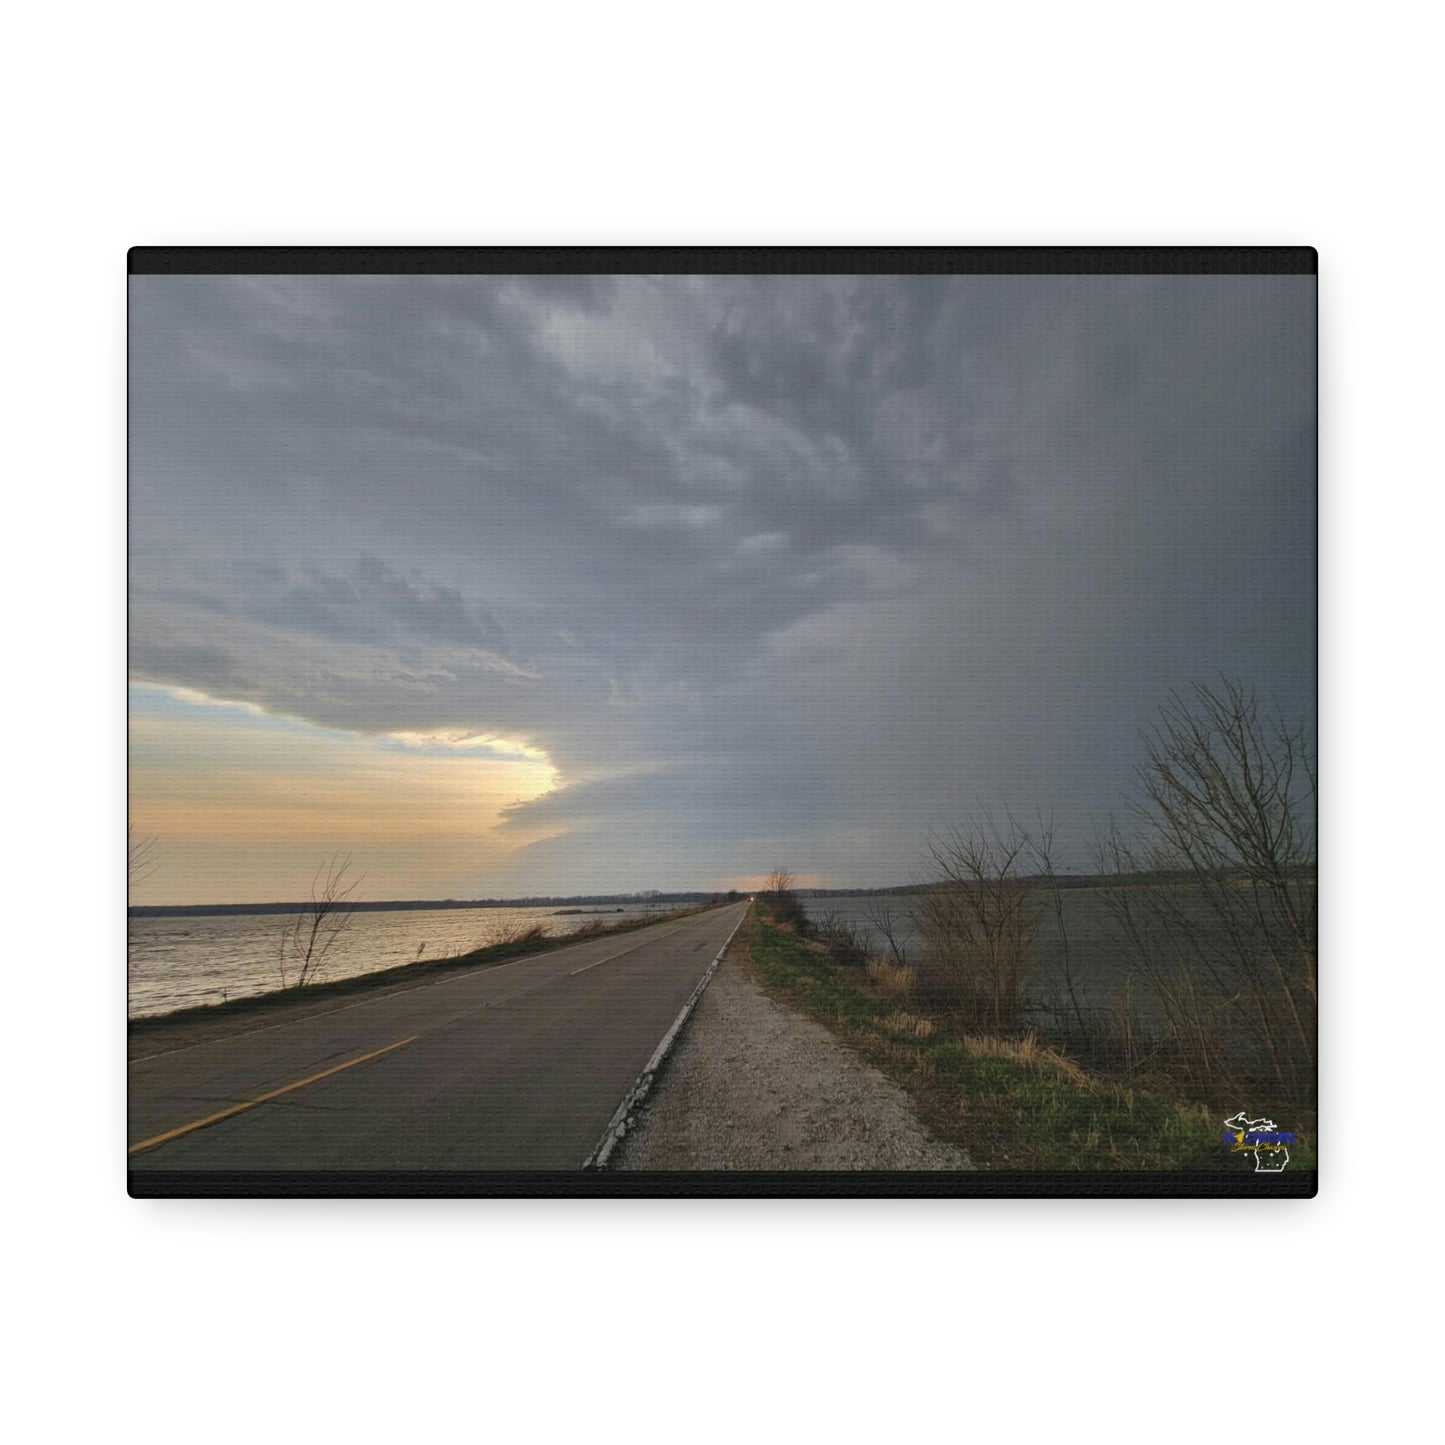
[[206, 1021]]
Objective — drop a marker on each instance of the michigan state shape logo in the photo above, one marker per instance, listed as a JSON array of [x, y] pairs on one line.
[[1261, 1137]]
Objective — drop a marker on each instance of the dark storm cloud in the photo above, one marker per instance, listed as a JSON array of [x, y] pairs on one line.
[[371, 603], [805, 563]]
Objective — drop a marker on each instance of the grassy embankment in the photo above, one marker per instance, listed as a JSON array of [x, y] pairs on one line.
[[1012, 1102], [534, 938]]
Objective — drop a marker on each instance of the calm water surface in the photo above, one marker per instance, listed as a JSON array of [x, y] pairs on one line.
[[184, 960], [1098, 968]]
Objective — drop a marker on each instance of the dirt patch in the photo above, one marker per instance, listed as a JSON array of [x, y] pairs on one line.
[[753, 1085]]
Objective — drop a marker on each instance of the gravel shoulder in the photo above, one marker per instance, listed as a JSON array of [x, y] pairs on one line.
[[753, 1085]]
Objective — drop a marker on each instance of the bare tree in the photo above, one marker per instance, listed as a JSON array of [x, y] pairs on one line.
[[1216, 892], [1234, 797], [311, 933], [780, 881], [782, 899], [976, 925], [889, 925]]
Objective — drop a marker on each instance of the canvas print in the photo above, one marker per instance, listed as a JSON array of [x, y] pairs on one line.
[[722, 722]]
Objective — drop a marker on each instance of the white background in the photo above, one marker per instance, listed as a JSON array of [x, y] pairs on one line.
[[748, 123]]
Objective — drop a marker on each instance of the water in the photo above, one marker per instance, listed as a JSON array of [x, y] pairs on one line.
[[1098, 968], [180, 961], [858, 911]]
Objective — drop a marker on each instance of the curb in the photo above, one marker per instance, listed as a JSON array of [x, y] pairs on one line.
[[625, 1115]]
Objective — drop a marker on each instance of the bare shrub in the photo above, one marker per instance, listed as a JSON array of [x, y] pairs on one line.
[[783, 903], [141, 857], [888, 922], [976, 927], [845, 941], [308, 937], [514, 930]]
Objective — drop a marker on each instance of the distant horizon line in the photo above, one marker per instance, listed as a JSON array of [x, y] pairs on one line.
[[530, 900], [1065, 879]]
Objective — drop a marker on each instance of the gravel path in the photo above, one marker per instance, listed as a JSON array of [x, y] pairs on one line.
[[753, 1085]]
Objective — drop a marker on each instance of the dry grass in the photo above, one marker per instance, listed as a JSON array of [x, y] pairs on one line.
[[517, 931], [1026, 1050], [902, 1022], [1124, 1041], [893, 980]]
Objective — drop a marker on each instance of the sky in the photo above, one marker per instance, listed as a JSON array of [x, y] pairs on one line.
[[518, 585]]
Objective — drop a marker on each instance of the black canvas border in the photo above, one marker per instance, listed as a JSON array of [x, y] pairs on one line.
[[739, 260], [738, 1184], [742, 260]]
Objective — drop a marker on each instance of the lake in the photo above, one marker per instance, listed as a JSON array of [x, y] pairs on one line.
[[182, 960], [1099, 968]]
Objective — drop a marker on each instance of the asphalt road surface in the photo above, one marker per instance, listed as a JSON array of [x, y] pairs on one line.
[[517, 1066]]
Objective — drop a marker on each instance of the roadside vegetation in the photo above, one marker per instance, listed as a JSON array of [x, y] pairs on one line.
[[1208, 905], [1014, 1100], [141, 857], [309, 934]]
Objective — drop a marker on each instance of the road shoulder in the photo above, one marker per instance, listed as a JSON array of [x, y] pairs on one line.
[[752, 1084]]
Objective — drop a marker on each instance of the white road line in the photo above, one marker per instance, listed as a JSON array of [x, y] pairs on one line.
[[623, 1115]]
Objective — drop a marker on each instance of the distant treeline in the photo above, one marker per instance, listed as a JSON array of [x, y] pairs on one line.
[[166, 910], [1153, 878], [1064, 880]]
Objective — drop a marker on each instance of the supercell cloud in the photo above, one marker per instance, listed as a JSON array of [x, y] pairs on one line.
[[741, 570]]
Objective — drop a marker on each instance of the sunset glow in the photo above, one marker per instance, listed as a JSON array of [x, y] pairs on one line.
[[243, 806]]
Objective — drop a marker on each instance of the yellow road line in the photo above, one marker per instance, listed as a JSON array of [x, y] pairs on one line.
[[598, 963], [274, 1094], [542, 957]]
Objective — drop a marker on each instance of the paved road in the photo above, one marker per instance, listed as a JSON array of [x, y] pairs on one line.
[[518, 1066]]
